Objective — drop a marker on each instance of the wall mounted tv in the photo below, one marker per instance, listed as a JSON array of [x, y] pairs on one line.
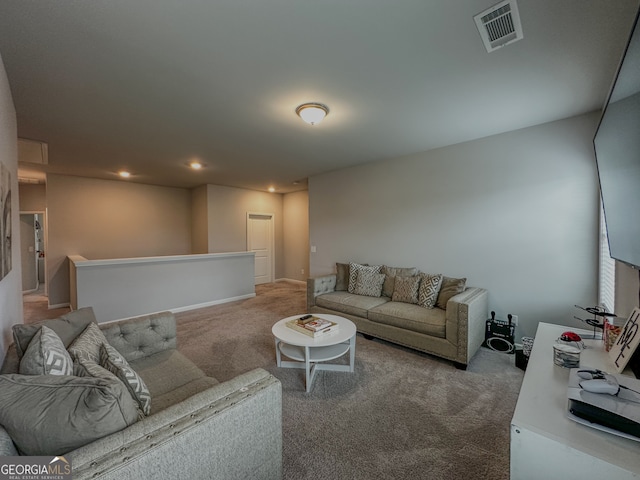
[[617, 148]]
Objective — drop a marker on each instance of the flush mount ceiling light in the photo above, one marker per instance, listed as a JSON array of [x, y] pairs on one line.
[[195, 165], [124, 174], [312, 113]]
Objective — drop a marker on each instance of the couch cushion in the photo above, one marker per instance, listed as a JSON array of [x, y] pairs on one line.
[[111, 359], [349, 303], [369, 284], [342, 277], [46, 355], [54, 414], [67, 327], [406, 289], [429, 289], [449, 288], [354, 268], [181, 393], [411, 317], [390, 277]]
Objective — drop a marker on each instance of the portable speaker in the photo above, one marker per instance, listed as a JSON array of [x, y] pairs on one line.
[[499, 335]]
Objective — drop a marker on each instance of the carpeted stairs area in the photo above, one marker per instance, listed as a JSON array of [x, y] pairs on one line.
[[401, 414]]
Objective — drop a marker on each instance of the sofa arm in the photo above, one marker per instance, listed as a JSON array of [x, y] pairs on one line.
[[232, 430], [142, 336], [465, 321], [319, 285]]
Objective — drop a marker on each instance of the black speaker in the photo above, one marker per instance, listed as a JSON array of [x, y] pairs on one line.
[[499, 335]]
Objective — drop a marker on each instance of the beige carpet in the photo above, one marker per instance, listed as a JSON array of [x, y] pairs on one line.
[[400, 415]]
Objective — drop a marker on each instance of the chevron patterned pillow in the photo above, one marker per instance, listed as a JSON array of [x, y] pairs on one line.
[[429, 289], [46, 355], [111, 359]]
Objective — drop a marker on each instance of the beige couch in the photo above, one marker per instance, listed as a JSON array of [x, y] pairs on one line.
[[454, 333], [197, 427]]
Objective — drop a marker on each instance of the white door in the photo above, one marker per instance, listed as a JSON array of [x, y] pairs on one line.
[[260, 240]]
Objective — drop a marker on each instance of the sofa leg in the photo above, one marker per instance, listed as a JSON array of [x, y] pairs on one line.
[[367, 336], [460, 366]]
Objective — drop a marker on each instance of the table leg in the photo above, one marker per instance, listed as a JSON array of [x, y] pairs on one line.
[[278, 357], [352, 353], [307, 369]]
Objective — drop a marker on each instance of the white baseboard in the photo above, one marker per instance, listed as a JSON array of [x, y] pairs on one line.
[[290, 280], [59, 305], [212, 303]]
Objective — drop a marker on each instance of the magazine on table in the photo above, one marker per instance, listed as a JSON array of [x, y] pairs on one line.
[[312, 326]]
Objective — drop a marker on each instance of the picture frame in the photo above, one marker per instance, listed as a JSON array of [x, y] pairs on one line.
[[624, 349]]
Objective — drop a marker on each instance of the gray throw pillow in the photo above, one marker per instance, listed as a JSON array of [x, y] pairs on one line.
[[390, 276], [87, 345], [369, 283], [342, 277], [46, 355], [450, 287], [111, 359], [354, 268], [49, 415], [406, 289], [429, 289], [67, 327]]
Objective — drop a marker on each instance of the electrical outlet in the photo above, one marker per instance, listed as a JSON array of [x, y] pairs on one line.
[[514, 320]]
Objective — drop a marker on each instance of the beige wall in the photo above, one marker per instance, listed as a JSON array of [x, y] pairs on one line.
[[11, 284], [227, 209], [111, 219], [295, 212], [515, 213], [33, 198], [199, 220]]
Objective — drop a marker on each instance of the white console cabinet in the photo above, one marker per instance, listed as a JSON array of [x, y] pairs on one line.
[[545, 444]]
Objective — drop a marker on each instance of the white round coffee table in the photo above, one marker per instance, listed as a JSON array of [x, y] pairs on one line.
[[308, 351]]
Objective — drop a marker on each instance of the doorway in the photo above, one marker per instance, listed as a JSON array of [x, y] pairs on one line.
[[260, 239], [32, 252]]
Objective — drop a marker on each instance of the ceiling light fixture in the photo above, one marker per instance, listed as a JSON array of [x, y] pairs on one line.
[[195, 165], [272, 189], [124, 174], [312, 113]]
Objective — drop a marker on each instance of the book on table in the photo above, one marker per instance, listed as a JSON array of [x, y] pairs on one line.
[[313, 326]]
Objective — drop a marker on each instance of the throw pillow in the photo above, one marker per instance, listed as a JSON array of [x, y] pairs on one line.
[[49, 415], [67, 327], [449, 288], [111, 359], [429, 289], [390, 276], [406, 289], [87, 345], [369, 283], [46, 355], [354, 268], [342, 277]]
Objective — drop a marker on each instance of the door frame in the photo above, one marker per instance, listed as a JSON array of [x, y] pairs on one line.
[[272, 239]]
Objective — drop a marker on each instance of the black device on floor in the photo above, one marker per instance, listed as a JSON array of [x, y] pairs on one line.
[[499, 335]]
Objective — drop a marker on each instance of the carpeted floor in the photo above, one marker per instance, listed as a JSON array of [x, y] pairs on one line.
[[401, 414]]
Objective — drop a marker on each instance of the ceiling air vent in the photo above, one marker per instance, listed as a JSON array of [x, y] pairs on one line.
[[499, 25]]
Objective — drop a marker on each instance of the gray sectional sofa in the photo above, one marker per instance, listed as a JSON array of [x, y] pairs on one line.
[[197, 427], [451, 328]]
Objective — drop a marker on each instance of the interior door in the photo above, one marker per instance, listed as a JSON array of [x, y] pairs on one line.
[[260, 240]]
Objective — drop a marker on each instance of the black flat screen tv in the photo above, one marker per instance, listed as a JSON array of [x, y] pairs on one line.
[[617, 149]]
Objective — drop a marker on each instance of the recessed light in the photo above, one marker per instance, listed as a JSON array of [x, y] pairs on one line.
[[272, 189], [195, 165], [124, 174]]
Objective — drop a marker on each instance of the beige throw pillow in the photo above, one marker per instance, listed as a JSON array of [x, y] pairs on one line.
[[429, 289], [390, 275], [449, 288], [342, 277], [87, 345], [406, 289], [369, 283], [354, 268]]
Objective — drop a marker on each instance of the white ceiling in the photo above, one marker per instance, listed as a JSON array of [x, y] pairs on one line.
[[148, 84]]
